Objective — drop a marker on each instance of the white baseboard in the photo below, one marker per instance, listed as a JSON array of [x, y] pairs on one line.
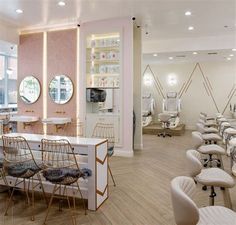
[[138, 146], [123, 153]]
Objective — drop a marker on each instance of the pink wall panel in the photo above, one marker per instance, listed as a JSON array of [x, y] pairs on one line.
[[30, 62], [61, 59]]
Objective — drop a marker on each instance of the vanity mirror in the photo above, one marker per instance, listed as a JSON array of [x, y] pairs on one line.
[[61, 89], [29, 89]]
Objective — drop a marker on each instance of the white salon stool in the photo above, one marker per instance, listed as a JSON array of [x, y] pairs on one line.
[[165, 120], [210, 177]]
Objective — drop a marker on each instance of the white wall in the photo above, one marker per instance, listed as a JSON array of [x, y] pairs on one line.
[[8, 33], [137, 82], [219, 78]]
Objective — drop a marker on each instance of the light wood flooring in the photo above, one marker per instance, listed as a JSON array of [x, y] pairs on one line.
[[142, 195]]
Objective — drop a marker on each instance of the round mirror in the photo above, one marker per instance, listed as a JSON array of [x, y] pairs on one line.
[[29, 89], [61, 89]]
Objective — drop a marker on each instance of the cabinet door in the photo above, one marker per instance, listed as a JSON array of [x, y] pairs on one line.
[[92, 120]]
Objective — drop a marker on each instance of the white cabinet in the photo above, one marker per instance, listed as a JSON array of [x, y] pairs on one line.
[[92, 119]]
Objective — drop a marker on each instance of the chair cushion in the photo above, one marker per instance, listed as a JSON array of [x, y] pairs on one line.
[[65, 176], [23, 169], [211, 136], [215, 177], [1, 162], [110, 151], [210, 130], [216, 215], [211, 149]]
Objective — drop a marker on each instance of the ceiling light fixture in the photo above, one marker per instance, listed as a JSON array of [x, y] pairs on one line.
[[170, 58], [191, 28], [187, 13], [231, 55], [195, 53], [19, 11], [234, 49], [228, 58], [155, 55], [61, 3]]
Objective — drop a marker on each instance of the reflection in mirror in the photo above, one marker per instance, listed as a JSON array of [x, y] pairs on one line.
[[29, 89], [61, 89]]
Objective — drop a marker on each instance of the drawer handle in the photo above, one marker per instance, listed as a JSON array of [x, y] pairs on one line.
[[39, 146]]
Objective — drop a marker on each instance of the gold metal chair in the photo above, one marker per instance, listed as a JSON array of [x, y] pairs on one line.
[[62, 170], [19, 163], [106, 131]]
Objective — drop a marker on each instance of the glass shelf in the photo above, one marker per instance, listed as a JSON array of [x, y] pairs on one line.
[[103, 61]]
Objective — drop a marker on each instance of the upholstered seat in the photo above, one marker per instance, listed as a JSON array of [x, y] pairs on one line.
[[211, 149], [65, 176], [186, 211], [23, 169], [110, 151], [216, 215], [215, 177], [211, 137], [1, 162]]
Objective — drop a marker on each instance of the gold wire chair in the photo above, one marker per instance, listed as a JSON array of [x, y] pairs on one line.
[[62, 170], [19, 162], [106, 131]]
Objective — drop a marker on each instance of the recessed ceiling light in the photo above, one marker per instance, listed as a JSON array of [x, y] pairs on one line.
[[191, 28], [187, 13], [234, 49], [170, 58], [155, 55], [61, 3], [195, 53], [228, 58], [231, 55], [19, 11]]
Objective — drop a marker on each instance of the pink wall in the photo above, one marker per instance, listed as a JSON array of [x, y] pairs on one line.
[[30, 63], [61, 59]]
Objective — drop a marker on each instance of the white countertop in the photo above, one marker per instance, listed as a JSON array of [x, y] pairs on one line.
[[73, 140]]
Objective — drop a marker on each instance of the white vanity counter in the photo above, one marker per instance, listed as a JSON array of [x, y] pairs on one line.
[[91, 153]]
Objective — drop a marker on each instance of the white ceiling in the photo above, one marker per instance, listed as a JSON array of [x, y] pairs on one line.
[[226, 55], [163, 19]]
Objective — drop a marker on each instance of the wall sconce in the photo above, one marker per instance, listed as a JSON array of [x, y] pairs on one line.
[[147, 80], [172, 79]]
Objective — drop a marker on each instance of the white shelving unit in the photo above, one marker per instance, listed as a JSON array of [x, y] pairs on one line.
[[103, 72]]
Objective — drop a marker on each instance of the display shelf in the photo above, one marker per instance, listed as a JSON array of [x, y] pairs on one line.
[[98, 49], [101, 61]]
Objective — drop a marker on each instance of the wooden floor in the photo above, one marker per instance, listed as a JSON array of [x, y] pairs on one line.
[[142, 195]]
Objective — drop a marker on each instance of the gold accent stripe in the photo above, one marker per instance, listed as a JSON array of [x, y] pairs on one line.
[[229, 101], [188, 86], [188, 80], [209, 83], [101, 161], [181, 88], [205, 88], [102, 193], [232, 89], [212, 97]]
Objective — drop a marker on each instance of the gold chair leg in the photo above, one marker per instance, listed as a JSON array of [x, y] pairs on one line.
[[41, 185], [11, 196], [68, 202], [27, 191], [9, 201], [50, 203], [85, 208], [32, 201], [111, 175]]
